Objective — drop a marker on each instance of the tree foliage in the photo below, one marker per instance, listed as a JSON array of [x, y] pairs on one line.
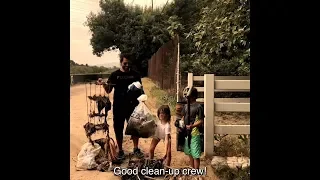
[[214, 34], [131, 29], [222, 38]]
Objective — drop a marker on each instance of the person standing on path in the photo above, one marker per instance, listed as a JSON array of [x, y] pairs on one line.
[[192, 148], [123, 102]]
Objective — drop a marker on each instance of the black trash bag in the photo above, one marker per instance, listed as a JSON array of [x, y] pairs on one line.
[[155, 164], [104, 166], [202, 142], [181, 134], [103, 102], [147, 129], [135, 90], [89, 128]]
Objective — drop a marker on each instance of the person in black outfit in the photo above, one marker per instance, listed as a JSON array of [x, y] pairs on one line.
[[123, 102]]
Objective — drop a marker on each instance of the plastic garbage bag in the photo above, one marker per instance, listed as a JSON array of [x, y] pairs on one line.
[[142, 122], [86, 157], [135, 90], [135, 86]]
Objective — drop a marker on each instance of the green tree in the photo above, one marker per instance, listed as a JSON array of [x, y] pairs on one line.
[[72, 63], [183, 15], [222, 38], [131, 29], [213, 33]]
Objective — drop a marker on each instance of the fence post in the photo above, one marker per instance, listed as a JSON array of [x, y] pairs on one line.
[[190, 79], [209, 114], [71, 82]]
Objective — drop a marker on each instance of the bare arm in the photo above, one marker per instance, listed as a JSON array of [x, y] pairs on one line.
[[197, 124], [109, 85], [201, 116], [167, 144]]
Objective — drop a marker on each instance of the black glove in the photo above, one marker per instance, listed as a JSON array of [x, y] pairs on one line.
[[176, 124]]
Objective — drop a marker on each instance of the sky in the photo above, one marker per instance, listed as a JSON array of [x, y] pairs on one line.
[[80, 48]]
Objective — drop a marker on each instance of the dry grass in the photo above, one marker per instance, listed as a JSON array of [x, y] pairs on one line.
[[225, 173], [232, 145], [228, 146], [232, 118]]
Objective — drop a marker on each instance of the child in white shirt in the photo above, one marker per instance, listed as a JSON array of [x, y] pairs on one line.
[[162, 133]]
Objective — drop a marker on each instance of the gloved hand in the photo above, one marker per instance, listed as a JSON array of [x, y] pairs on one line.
[[176, 123]]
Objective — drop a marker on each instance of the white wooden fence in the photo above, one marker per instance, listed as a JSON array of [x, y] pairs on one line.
[[213, 84]]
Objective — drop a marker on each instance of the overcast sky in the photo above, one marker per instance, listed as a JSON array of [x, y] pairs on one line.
[[80, 48]]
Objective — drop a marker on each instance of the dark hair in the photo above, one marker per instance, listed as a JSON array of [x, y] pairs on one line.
[[124, 55], [194, 93], [166, 110]]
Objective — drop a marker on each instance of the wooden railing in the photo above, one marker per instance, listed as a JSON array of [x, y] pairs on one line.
[[213, 84]]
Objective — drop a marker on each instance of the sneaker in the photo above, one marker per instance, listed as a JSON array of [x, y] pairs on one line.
[[121, 155], [138, 153]]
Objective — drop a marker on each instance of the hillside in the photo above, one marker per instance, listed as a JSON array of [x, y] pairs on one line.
[[76, 68], [110, 64]]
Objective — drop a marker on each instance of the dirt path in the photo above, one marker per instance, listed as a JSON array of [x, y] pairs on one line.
[[78, 117]]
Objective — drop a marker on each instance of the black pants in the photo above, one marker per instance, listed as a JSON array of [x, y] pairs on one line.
[[121, 112]]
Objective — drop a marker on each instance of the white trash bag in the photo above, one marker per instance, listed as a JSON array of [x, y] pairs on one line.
[[142, 122], [86, 157], [135, 86]]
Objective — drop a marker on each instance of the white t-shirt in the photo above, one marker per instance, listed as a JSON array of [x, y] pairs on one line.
[[162, 130]]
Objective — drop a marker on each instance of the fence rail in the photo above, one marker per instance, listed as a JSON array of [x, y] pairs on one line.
[[213, 84]]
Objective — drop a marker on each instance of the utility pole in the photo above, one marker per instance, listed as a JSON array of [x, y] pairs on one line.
[[152, 5], [164, 6], [178, 69]]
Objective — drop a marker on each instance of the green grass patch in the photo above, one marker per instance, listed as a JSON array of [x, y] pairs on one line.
[[164, 98]]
